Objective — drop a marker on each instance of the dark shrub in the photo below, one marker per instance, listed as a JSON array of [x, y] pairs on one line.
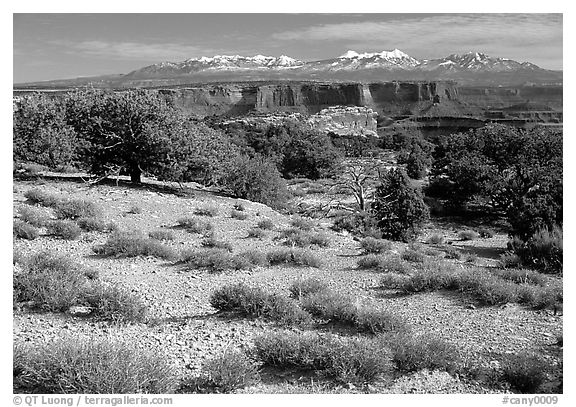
[[238, 215], [133, 244], [66, 229], [544, 250], [24, 230], [194, 225], [208, 210], [33, 216], [161, 234], [94, 366], [412, 353], [303, 287], [355, 223], [399, 207], [293, 256], [40, 197], [76, 208], [214, 243], [256, 179], [376, 246], [265, 224], [228, 371], [524, 372]]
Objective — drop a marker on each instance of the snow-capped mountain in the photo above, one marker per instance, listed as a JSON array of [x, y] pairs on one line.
[[469, 68]]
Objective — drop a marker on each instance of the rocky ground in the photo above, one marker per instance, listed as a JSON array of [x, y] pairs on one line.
[[188, 330]]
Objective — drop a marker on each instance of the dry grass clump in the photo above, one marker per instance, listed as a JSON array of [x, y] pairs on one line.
[[371, 245], [293, 256], [217, 260], [207, 210], [383, 264], [133, 244], [304, 287], [76, 208], [255, 302], [509, 260], [240, 215], [96, 225], [39, 197], [195, 225], [162, 235], [346, 360], [65, 229], [413, 256], [300, 238], [24, 230], [453, 253], [303, 224], [256, 233], [340, 308], [33, 216], [95, 366], [214, 243], [229, 371], [265, 224]]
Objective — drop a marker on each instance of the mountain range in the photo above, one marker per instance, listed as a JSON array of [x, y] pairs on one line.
[[472, 68]]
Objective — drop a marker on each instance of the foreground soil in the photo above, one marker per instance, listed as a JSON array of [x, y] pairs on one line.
[[188, 330]]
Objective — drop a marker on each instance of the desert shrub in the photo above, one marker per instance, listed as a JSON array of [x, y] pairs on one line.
[[521, 276], [161, 234], [195, 225], [352, 360], [255, 302], [37, 196], [524, 372], [468, 235], [229, 371], [301, 238], [213, 243], [24, 230], [357, 223], [303, 287], [548, 297], [257, 179], [383, 264], [485, 233], [130, 244], [453, 253], [92, 365], [76, 208], [33, 216], [470, 258], [135, 210], [51, 283], [394, 281], [238, 215], [65, 229], [436, 239], [112, 303], [375, 246], [413, 256], [96, 225], [254, 257], [412, 353], [544, 250], [303, 224], [293, 256], [337, 307], [509, 260], [431, 276], [214, 260], [256, 233], [207, 210], [399, 207], [487, 288], [265, 224]]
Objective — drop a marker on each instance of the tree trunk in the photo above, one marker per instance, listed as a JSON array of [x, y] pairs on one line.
[[135, 174]]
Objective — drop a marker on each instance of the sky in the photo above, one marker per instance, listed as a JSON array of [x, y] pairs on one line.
[[59, 46]]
